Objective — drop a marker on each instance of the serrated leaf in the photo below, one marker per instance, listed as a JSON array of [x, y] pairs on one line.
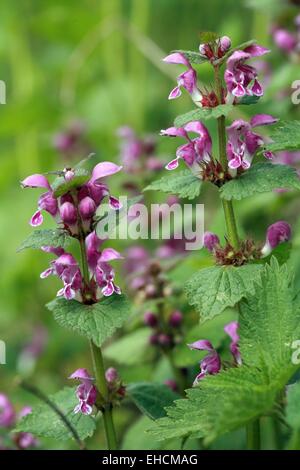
[[111, 220], [134, 348], [292, 408], [97, 321], [151, 398], [183, 184], [44, 422], [60, 186], [192, 56], [269, 321], [285, 136], [213, 289], [201, 114], [39, 238], [260, 178]]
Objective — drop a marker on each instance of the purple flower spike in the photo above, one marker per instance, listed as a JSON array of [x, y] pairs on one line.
[[241, 78], [211, 363], [243, 143], [277, 233], [210, 241], [196, 150], [187, 80], [86, 392], [231, 330], [7, 413]]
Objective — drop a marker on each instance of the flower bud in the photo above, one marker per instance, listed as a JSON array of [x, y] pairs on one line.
[[224, 44], [7, 414], [277, 233], [210, 241], [150, 319], [175, 319], [153, 339], [87, 208], [68, 213], [164, 340], [69, 174], [171, 384], [111, 375]]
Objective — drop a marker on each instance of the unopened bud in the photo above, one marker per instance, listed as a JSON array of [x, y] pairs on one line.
[[68, 213], [277, 233], [210, 240], [150, 319], [87, 208], [175, 319]]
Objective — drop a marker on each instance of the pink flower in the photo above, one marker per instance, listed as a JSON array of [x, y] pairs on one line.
[[243, 143], [7, 413], [211, 364], [241, 78], [277, 233], [46, 202], [99, 266], [210, 241], [231, 330], [25, 440], [187, 80], [67, 269], [86, 392], [196, 150]]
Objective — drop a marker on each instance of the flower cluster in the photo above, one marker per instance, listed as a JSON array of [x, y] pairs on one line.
[[137, 154], [241, 78], [211, 364], [86, 392], [277, 233], [165, 334], [75, 211], [8, 419], [242, 144], [288, 41]]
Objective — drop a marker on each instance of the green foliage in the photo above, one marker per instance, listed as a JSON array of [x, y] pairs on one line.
[[292, 408], [39, 238], [213, 289], [133, 348], [151, 398], [201, 114], [183, 184], [61, 186], [260, 178], [285, 136], [248, 99], [97, 321], [269, 320], [45, 422]]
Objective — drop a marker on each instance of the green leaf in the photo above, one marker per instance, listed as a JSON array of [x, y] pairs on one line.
[[292, 408], [213, 289], [39, 238], [183, 184], [60, 186], [282, 253], [269, 322], [248, 99], [260, 178], [134, 348], [285, 136], [97, 321], [151, 398], [201, 114], [192, 56], [106, 224], [44, 422]]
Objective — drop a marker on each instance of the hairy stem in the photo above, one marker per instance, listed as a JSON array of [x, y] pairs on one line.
[[98, 366], [253, 435], [231, 227]]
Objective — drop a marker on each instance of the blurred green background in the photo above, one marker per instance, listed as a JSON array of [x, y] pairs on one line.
[[99, 62]]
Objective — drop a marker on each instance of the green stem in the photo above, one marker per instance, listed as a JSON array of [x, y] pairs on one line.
[[230, 221], [98, 365], [253, 435], [106, 408]]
